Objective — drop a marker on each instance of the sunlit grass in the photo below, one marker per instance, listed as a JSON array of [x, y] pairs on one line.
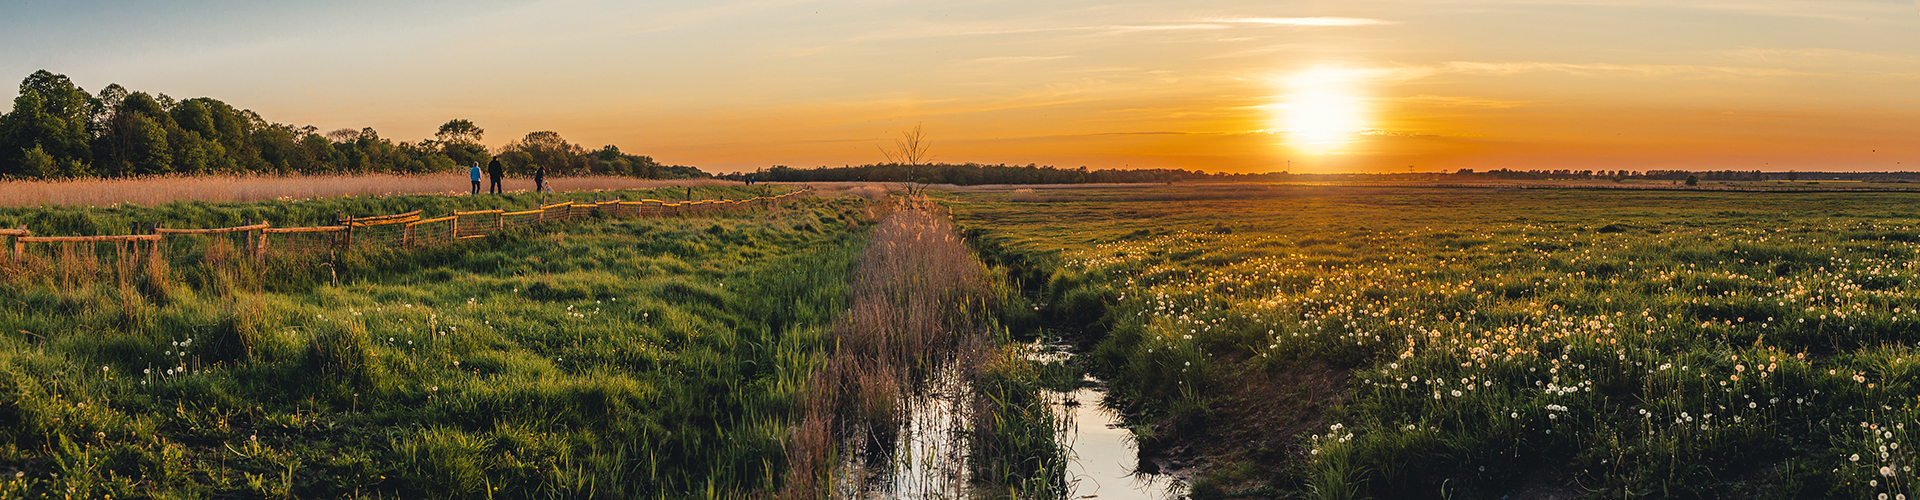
[[1634, 344], [598, 359]]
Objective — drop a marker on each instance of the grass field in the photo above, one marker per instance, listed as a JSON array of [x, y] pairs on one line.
[[1346, 342], [637, 358]]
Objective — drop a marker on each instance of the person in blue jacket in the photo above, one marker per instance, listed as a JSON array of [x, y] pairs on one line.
[[474, 175]]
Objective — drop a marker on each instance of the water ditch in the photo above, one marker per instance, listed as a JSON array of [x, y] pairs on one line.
[[1103, 458], [927, 457], [917, 401]]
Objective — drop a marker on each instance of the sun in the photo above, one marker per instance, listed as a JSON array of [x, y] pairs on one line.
[[1322, 110]]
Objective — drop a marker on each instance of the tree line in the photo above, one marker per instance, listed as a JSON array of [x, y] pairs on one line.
[[57, 130], [968, 174]]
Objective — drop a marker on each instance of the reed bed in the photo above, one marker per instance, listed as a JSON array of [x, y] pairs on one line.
[[908, 350]]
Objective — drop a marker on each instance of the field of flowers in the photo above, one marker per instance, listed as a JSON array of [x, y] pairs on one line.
[[604, 359], [1483, 343]]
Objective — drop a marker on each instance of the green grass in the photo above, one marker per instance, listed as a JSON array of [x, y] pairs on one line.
[[635, 358], [1486, 343]]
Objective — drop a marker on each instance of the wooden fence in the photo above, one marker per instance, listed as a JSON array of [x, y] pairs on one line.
[[396, 231]]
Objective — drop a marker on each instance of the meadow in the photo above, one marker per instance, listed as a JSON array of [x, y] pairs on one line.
[[610, 358], [1419, 342]]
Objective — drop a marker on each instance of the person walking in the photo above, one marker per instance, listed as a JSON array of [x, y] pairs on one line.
[[474, 175], [495, 172], [540, 179]]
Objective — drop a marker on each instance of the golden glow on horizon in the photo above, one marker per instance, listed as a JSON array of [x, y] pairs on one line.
[[1323, 109], [1222, 85]]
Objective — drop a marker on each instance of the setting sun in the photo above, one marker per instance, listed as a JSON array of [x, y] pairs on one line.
[[1322, 109]]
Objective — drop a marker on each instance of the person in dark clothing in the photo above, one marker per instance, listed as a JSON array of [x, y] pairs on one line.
[[540, 179], [495, 172]]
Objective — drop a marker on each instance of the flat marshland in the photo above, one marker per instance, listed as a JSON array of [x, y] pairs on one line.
[[607, 358], [1348, 342], [1268, 341]]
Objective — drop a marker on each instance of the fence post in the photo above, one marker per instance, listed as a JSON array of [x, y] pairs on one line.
[[154, 228], [342, 219], [260, 251], [20, 247], [456, 225]]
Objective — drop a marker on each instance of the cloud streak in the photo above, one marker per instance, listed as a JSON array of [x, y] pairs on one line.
[[1306, 21]]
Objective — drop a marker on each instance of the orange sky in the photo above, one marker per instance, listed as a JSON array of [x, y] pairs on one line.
[[1244, 86]]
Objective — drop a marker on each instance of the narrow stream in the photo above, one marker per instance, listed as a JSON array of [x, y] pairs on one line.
[[928, 458], [1102, 455]]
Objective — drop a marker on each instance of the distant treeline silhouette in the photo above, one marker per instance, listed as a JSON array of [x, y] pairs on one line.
[[968, 174], [1681, 175], [974, 174], [57, 130]]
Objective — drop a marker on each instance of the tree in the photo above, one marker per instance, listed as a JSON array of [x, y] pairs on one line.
[[38, 164], [546, 148], [50, 114], [343, 135], [56, 129], [910, 148], [459, 130], [459, 140], [1693, 180]]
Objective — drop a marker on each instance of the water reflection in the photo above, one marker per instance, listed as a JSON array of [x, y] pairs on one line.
[[925, 455], [1104, 457]]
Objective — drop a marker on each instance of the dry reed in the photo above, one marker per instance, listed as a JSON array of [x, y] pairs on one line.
[[158, 190], [914, 298]]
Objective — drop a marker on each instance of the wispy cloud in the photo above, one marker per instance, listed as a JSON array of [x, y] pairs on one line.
[[1459, 102], [1508, 68], [1016, 59], [1162, 27], [1305, 21]]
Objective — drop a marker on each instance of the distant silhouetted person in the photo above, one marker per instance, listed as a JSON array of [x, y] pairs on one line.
[[540, 179], [474, 175], [495, 172]]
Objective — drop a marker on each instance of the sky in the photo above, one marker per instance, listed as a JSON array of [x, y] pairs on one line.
[[1215, 85]]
